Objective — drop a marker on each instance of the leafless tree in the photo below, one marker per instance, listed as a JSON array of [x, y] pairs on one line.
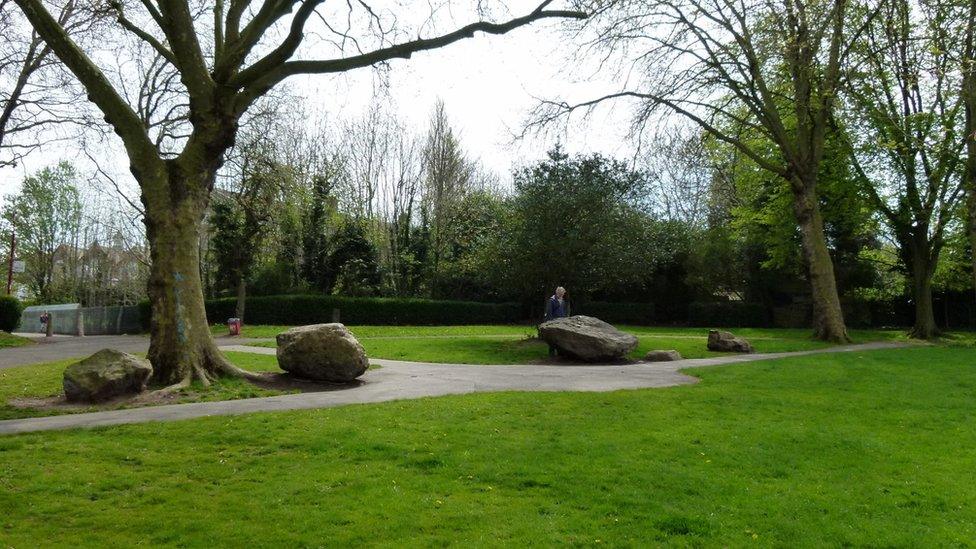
[[680, 175], [226, 63], [36, 96]]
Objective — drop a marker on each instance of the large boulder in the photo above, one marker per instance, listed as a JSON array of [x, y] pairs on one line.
[[105, 375], [726, 342], [323, 352], [662, 356], [587, 338]]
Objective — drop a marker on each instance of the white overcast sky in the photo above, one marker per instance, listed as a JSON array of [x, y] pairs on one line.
[[488, 84]]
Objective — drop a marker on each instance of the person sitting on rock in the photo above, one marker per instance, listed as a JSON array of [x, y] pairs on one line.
[[556, 307]]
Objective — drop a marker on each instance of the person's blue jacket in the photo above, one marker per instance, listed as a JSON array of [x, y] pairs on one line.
[[555, 309]]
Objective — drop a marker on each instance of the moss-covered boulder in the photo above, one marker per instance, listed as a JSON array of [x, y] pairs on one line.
[[323, 352], [105, 375]]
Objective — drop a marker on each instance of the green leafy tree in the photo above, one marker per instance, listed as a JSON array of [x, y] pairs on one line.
[[759, 67], [242, 218], [905, 116], [575, 222], [354, 260], [318, 226], [46, 216]]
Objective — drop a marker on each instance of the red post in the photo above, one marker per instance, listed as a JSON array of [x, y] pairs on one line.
[[10, 262]]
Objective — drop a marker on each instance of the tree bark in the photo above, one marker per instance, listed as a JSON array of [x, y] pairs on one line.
[[181, 347], [922, 267], [241, 297], [828, 318]]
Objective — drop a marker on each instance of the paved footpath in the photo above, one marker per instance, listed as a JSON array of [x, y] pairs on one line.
[[50, 349], [398, 380]]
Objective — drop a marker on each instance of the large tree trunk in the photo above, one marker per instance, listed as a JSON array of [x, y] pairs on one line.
[[828, 318], [181, 348], [922, 269]]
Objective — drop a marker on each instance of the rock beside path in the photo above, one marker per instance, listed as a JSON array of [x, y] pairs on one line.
[[662, 356], [105, 375], [322, 352], [726, 342], [586, 338]]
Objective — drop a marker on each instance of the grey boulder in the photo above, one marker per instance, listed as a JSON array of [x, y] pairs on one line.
[[726, 342], [662, 356], [322, 352], [105, 375], [586, 338]]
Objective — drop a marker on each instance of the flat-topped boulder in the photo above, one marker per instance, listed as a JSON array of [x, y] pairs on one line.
[[726, 342], [322, 352], [105, 375], [586, 338]]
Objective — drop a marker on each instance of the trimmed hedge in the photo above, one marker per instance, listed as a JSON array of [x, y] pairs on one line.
[[625, 313], [10, 311], [731, 314], [315, 309]]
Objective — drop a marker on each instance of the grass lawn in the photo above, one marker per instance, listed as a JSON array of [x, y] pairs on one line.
[[516, 344], [44, 380], [10, 340], [866, 449]]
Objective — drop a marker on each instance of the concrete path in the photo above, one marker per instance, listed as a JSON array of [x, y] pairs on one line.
[[398, 380], [49, 349]]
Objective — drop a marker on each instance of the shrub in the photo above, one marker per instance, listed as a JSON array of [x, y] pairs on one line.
[[313, 309], [10, 310], [727, 314]]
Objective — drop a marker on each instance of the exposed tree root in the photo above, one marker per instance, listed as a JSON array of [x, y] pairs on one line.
[[225, 367], [169, 389]]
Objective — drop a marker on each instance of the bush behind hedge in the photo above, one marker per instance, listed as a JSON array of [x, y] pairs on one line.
[[10, 311]]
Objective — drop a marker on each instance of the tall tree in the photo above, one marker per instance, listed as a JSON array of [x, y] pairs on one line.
[[447, 174], [905, 118], [969, 131], [248, 50], [242, 216], [768, 68]]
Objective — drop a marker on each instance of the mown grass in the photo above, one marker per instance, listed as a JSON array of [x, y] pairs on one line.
[[45, 380], [517, 344], [10, 340], [854, 449]]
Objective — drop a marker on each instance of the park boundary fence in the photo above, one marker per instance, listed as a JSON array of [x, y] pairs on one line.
[[73, 319]]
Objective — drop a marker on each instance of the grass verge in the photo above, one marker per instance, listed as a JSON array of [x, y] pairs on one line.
[[858, 449], [10, 340]]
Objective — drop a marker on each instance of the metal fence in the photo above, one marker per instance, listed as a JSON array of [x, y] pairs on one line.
[[73, 319]]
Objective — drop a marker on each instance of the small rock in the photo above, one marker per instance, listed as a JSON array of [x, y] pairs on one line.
[[105, 375], [322, 352], [662, 356], [587, 338], [726, 342]]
